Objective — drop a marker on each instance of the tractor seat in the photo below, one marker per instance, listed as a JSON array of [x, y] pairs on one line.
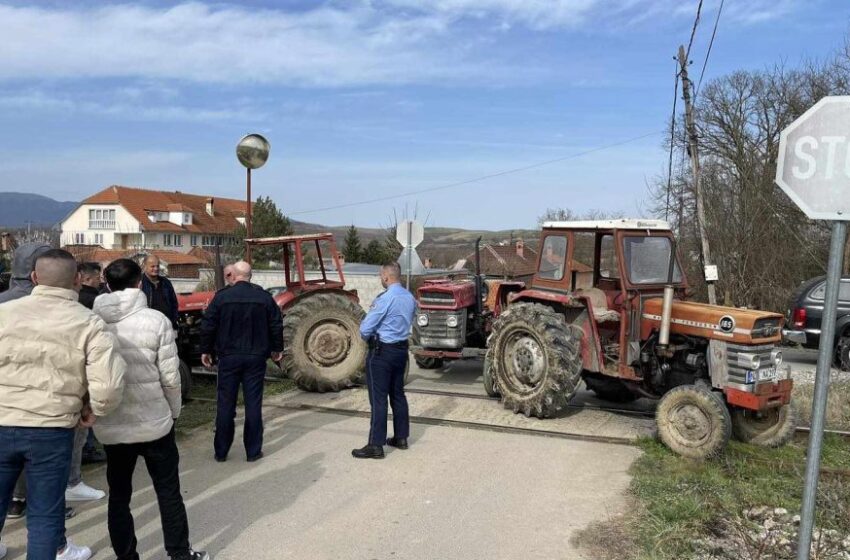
[[599, 302]]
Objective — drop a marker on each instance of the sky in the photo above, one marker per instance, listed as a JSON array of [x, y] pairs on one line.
[[406, 103]]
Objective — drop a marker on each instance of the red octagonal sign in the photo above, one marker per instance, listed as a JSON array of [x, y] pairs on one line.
[[814, 160]]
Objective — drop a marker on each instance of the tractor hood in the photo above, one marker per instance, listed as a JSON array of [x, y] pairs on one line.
[[743, 326]]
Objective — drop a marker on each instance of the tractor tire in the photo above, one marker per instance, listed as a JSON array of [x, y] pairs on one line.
[[609, 389], [323, 350], [842, 353], [535, 359], [487, 374], [427, 362], [185, 381], [693, 422], [771, 428]]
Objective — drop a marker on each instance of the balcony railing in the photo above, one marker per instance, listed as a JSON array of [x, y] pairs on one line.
[[101, 224]]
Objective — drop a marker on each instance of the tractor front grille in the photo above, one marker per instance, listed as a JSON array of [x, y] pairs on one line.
[[436, 298], [738, 372], [437, 334]]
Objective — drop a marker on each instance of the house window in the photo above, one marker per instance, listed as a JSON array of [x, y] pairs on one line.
[[167, 239], [79, 239], [178, 240], [194, 240], [100, 218], [98, 239]]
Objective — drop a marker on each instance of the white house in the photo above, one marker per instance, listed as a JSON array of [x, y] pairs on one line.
[[131, 218]]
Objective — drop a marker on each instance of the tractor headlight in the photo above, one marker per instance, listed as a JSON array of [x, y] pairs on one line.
[[422, 320], [451, 321], [749, 361], [776, 357]]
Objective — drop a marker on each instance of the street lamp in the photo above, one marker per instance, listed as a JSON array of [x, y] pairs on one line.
[[252, 151]]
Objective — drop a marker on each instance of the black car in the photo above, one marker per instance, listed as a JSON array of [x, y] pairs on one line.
[[806, 310]]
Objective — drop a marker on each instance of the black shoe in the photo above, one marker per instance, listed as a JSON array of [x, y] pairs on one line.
[[398, 443], [256, 457], [70, 512], [192, 555], [220, 459], [17, 509], [369, 452]]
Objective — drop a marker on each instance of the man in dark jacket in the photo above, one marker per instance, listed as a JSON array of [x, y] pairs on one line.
[[243, 327], [23, 263], [90, 286], [158, 289]]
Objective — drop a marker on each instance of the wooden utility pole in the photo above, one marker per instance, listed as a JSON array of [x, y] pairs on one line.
[[693, 144]]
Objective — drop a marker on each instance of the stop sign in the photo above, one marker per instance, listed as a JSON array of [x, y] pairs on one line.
[[814, 160]]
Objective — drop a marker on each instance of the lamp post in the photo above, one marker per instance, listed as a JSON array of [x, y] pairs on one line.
[[252, 151]]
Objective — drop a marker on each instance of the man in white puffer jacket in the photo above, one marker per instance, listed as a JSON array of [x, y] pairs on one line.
[[143, 425]]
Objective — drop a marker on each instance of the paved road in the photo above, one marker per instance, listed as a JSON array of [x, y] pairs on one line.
[[456, 494]]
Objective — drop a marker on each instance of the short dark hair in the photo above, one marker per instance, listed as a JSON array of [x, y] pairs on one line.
[[56, 255], [88, 268], [122, 274]]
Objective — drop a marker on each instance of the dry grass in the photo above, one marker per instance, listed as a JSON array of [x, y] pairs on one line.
[[837, 408]]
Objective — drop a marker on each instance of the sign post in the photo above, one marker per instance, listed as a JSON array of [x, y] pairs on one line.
[[813, 169], [410, 234]]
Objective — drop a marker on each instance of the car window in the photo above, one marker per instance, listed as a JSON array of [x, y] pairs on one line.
[[819, 292], [553, 257]]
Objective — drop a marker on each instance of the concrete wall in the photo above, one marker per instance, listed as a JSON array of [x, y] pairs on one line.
[[368, 286]]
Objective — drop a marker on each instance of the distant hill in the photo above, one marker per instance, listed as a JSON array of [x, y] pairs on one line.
[[16, 209]]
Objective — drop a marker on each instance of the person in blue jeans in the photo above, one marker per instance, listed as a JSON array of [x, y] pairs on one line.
[[242, 326], [386, 328], [43, 400]]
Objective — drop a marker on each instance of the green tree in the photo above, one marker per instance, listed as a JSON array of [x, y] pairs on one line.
[[373, 253], [392, 248], [351, 246], [268, 221]]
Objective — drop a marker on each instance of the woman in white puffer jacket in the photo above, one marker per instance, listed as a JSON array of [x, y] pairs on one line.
[[143, 424]]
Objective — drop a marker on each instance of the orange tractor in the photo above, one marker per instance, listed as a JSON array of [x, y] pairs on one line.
[[608, 306], [323, 350]]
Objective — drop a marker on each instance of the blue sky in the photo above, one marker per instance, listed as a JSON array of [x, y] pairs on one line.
[[365, 99]]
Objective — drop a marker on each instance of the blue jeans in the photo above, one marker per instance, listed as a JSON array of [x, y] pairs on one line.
[[248, 371], [46, 454]]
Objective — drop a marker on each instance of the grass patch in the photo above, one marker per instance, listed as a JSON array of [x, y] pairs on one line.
[[837, 404], [676, 500]]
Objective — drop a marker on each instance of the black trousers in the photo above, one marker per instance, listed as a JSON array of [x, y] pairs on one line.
[[162, 460], [385, 366], [248, 371]]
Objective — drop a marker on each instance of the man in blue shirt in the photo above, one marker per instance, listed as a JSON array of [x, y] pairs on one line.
[[386, 328]]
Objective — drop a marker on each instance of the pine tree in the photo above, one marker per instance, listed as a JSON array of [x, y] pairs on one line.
[[351, 246], [268, 221], [373, 253]]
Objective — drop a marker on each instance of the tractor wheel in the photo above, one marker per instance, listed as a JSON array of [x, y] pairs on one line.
[[535, 359], [842, 353], [770, 428], [693, 422], [322, 344], [427, 362], [185, 381], [609, 389], [489, 383]]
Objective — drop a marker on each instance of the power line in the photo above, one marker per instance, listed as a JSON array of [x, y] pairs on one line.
[[710, 44], [476, 179], [672, 140], [694, 30]]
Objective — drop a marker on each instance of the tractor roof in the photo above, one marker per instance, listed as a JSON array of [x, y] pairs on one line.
[[289, 238], [625, 223]]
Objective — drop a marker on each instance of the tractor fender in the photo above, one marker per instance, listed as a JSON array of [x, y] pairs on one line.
[[287, 299], [578, 312]]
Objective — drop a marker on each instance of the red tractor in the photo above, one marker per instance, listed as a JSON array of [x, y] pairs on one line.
[[607, 306], [323, 350]]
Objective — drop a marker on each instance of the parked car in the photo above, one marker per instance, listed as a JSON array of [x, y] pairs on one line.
[[804, 318]]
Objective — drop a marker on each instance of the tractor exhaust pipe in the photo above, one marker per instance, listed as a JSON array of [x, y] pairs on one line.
[[666, 314], [479, 305]]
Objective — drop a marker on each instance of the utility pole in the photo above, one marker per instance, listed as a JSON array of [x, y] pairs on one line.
[[692, 143]]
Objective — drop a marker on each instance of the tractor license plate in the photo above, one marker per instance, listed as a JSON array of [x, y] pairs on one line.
[[770, 374]]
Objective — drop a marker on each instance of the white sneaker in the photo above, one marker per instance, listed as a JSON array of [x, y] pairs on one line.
[[74, 552], [82, 492], [3, 551]]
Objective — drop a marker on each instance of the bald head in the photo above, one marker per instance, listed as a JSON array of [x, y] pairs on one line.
[[241, 272], [56, 268], [151, 266]]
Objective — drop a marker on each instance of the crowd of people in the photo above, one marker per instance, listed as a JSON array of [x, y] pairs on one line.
[[89, 355]]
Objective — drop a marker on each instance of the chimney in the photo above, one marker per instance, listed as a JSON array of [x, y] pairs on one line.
[[520, 248], [210, 207]]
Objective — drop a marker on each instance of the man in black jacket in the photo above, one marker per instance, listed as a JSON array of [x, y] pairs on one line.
[[158, 289], [243, 327], [90, 283]]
